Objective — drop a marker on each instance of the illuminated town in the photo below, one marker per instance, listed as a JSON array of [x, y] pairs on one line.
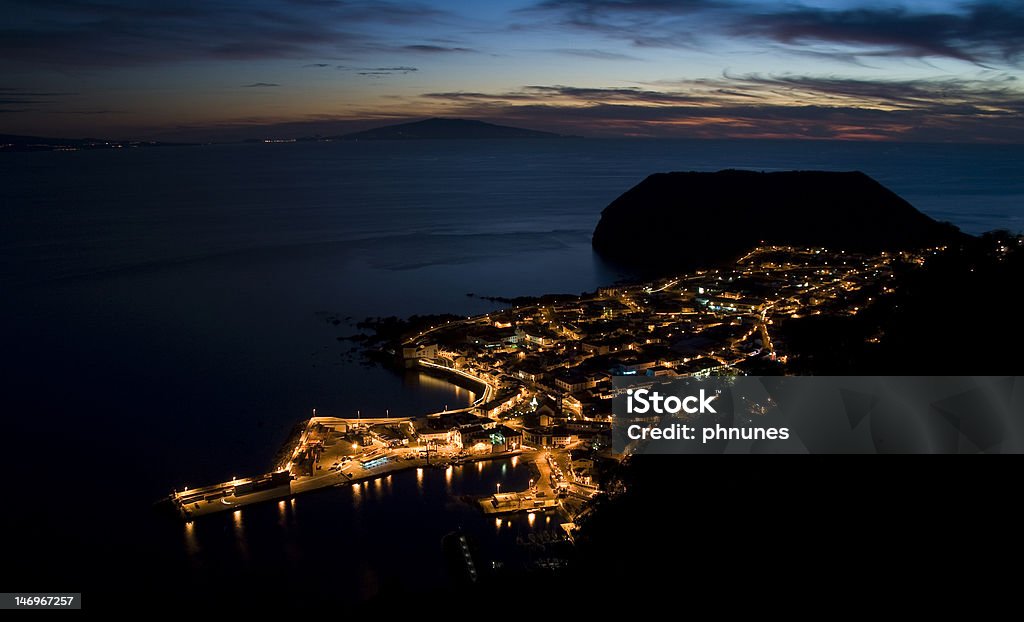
[[544, 371]]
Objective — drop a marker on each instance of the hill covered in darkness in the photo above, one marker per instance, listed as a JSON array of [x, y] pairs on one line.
[[943, 318], [672, 221], [446, 129]]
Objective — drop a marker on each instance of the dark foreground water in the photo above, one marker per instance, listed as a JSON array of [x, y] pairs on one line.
[[379, 540], [169, 314]]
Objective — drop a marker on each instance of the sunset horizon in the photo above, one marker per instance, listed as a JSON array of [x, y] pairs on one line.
[[932, 71]]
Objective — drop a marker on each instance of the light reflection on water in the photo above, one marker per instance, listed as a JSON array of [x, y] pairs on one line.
[[243, 546], [191, 544], [462, 394], [334, 527]]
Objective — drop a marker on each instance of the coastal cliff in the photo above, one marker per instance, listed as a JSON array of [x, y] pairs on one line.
[[680, 220]]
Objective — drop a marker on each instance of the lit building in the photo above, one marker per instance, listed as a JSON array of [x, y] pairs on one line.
[[551, 436], [477, 439]]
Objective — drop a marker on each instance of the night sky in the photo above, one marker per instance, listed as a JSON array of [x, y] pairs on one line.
[[213, 69]]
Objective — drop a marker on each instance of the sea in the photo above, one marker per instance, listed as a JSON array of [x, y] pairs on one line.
[[169, 314]]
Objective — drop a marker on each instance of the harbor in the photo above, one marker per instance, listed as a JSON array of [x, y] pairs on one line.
[[333, 452], [324, 452], [238, 493]]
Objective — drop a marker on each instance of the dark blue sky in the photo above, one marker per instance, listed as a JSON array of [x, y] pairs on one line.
[[925, 70]]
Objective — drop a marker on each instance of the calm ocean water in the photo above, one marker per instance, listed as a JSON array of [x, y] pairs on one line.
[[166, 320]]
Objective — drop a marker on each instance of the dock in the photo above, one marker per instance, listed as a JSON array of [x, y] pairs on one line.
[[513, 502], [350, 469]]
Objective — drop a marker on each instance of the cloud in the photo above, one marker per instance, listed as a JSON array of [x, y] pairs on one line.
[[435, 49], [997, 93], [644, 23], [757, 106], [379, 71], [980, 96], [317, 65], [475, 98], [594, 53], [260, 85], [104, 111], [586, 96], [21, 100], [589, 11], [982, 32], [88, 33]]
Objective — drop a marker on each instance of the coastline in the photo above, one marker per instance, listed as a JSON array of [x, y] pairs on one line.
[[616, 330], [327, 480], [729, 321]]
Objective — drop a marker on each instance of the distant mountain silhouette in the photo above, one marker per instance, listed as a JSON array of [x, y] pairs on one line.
[[671, 221], [447, 129]]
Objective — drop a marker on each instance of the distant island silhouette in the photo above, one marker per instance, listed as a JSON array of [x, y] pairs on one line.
[[680, 220], [446, 129]]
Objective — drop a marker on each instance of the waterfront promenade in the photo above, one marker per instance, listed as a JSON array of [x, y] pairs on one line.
[[223, 497]]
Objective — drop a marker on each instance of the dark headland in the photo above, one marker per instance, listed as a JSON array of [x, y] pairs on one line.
[[680, 220], [446, 129]]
